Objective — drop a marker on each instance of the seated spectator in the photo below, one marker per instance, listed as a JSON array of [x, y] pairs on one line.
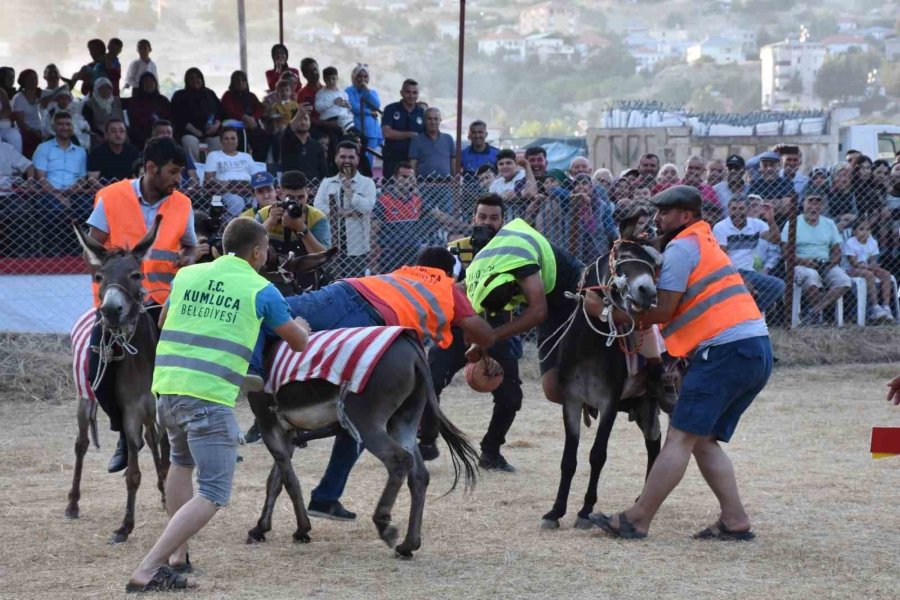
[[142, 64], [332, 103], [791, 160], [228, 172], [818, 252], [115, 158], [26, 105], [739, 237], [64, 102], [733, 184], [8, 131], [478, 152], [841, 199], [772, 187], [55, 85], [485, 176], [145, 107], [694, 170], [715, 172], [97, 68], [189, 179], [113, 65], [509, 174], [668, 176], [280, 60], [195, 110], [818, 184], [300, 152], [868, 193], [366, 107], [861, 251], [101, 107], [770, 255], [15, 221], [12, 164], [242, 110], [397, 215]]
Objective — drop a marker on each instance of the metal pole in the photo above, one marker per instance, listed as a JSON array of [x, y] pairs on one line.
[[242, 34], [281, 21], [790, 261], [459, 83]]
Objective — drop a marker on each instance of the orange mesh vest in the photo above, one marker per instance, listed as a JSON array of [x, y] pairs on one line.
[[422, 297], [127, 227], [715, 299]]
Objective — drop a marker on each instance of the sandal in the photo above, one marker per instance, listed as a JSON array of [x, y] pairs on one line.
[[185, 567], [165, 579], [719, 531], [625, 530]]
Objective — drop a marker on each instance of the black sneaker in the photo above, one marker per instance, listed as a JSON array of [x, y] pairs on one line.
[[330, 510], [429, 451], [253, 436], [495, 462]]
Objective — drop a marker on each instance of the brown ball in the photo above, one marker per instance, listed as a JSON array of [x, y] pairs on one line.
[[478, 378]]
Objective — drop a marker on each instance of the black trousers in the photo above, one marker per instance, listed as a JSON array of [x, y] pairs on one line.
[[445, 363], [106, 390]]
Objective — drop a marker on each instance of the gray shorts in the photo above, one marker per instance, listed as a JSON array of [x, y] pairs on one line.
[[204, 434]]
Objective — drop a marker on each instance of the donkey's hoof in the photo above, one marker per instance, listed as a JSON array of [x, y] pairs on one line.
[[301, 537], [118, 538], [390, 534], [549, 523], [582, 523], [72, 512], [255, 537], [403, 553]]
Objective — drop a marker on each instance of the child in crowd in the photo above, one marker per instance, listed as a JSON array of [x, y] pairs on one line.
[[140, 65], [284, 107], [862, 253], [332, 103], [113, 66]]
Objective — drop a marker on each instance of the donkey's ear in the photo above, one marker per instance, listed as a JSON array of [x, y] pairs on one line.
[[143, 247], [94, 251], [655, 255]]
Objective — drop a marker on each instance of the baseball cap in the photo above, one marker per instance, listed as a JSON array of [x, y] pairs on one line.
[[735, 160], [261, 180], [770, 157]]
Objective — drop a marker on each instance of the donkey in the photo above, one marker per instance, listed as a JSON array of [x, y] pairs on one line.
[[127, 329], [386, 415], [593, 369]]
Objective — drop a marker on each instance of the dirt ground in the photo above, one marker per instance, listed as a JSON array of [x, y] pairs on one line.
[[825, 513]]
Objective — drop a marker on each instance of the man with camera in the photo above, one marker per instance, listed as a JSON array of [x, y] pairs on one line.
[[446, 362]]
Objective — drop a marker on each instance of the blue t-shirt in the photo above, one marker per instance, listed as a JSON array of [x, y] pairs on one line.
[[680, 258], [399, 119], [472, 159], [433, 156]]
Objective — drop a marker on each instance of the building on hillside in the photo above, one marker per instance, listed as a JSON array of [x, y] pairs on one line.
[[506, 42], [447, 29], [746, 37], [877, 33], [892, 48], [646, 57], [548, 47], [548, 17], [846, 24], [589, 44], [841, 43], [720, 50], [789, 72]]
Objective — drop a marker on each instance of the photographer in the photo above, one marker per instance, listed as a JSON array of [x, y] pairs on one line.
[[293, 225]]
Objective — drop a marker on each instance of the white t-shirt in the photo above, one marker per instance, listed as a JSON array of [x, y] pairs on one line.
[[327, 109], [861, 252], [11, 163], [239, 167], [138, 68], [501, 186], [740, 244], [814, 242]]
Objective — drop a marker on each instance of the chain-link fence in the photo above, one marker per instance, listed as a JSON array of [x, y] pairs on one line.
[[843, 244]]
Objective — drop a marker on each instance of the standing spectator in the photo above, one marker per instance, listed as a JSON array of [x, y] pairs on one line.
[[509, 174], [9, 133], [694, 169], [100, 108], [841, 199], [579, 165], [791, 160], [366, 106], [622, 191], [772, 187], [648, 170], [306, 97], [113, 65], [818, 252], [280, 112], [195, 110], [478, 152], [817, 184], [739, 237], [532, 188], [229, 171], [715, 172], [189, 179], [145, 107], [603, 178], [115, 158], [432, 155], [55, 85], [401, 122], [280, 66], [347, 199], [300, 152], [862, 253], [98, 67], [27, 105], [734, 182], [332, 103], [668, 177], [592, 228], [397, 214], [242, 106], [142, 64], [485, 175]]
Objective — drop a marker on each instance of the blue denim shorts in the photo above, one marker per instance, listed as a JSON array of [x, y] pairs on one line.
[[720, 384], [204, 434]]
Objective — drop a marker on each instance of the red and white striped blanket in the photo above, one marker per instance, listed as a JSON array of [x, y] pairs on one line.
[[81, 342], [339, 356]]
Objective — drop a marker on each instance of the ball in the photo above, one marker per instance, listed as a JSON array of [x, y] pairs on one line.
[[478, 375]]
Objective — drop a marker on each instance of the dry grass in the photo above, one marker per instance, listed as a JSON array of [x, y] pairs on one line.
[[824, 511], [35, 367], [830, 346]]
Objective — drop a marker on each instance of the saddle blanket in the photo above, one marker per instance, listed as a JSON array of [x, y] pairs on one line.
[[81, 351], [340, 356]]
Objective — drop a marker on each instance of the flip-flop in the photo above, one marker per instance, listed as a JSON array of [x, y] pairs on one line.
[[626, 529], [719, 531], [164, 580], [185, 567]]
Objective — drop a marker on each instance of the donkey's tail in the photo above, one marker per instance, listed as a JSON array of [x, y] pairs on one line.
[[462, 453]]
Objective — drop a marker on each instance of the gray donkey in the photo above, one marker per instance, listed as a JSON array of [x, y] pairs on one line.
[[386, 415], [130, 337]]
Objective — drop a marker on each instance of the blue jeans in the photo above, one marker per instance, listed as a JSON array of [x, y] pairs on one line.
[[766, 289]]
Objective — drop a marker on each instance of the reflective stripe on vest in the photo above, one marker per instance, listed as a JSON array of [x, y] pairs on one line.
[[160, 277], [715, 298], [203, 366], [157, 254], [421, 310], [206, 341]]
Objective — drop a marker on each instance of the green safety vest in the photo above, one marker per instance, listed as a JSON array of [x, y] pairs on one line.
[[210, 331], [517, 245]]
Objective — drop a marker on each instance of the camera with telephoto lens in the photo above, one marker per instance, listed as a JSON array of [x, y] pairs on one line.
[[213, 226], [481, 235], [291, 207]]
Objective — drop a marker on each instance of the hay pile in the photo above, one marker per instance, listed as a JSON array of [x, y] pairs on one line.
[[36, 367]]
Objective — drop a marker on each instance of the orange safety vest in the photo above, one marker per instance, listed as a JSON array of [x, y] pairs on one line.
[[715, 299], [422, 297], [127, 228]]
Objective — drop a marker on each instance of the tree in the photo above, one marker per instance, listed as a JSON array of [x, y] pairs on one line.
[[844, 76]]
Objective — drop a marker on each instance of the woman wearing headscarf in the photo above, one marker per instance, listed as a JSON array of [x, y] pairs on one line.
[[145, 107], [242, 110], [27, 104], [55, 85], [195, 110], [8, 131], [280, 62], [366, 107], [100, 108]]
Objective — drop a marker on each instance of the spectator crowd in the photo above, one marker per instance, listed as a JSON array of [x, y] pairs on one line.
[[328, 140]]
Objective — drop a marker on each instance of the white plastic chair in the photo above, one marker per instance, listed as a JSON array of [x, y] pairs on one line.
[[838, 307], [861, 299]]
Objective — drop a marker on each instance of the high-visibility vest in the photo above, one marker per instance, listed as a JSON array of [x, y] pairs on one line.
[[210, 331], [715, 299], [516, 245], [127, 228], [422, 297]]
